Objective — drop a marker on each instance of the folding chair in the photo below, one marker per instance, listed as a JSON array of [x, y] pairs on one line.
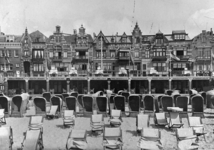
[[166, 101], [33, 140], [2, 117], [160, 119], [16, 105], [36, 122], [150, 139], [77, 140], [87, 102], [112, 138], [116, 118], [68, 117], [6, 138], [134, 103], [97, 123], [40, 105], [119, 103], [197, 102], [142, 121], [52, 112], [4, 104], [149, 104], [186, 140], [102, 104], [175, 120], [71, 102], [197, 125]]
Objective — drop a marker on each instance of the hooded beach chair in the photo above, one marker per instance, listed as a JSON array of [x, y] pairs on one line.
[[119, 103], [186, 139], [47, 96], [97, 123], [6, 138], [182, 102], [112, 138], [102, 104], [71, 102], [142, 121], [134, 103], [53, 112], [36, 122], [77, 140], [33, 140], [16, 105], [174, 96], [160, 119], [115, 118], [68, 117], [126, 95], [150, 139], [197, 125], [79, 99], [65, 95], [57, 100], [40, 105], [149, 104], [61, 96], [175, 120], [204, 95], [111, 102], [197, 102], [87, 102], [4, 104], [166, 101], [2, 117]]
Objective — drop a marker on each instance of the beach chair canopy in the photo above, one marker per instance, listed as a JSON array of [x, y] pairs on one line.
[[87, 102], [149, 103], [166, 101], [47, 96], [6, 138], [197, 105], [119, 102], [4, 104], [102, 104], [134, 103], [182, 102], [71, 103], [40, 105], [16, 105]]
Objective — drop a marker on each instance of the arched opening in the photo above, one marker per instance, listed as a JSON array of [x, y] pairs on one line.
[[27, 67]]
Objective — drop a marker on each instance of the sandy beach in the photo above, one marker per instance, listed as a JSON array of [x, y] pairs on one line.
[[55, 135]]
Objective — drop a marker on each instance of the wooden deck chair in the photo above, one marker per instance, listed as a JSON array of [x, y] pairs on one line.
[[182, 102], [149, 104], [47, 96], [6, 138], [36, 122], [77, 140], [134, 103], [142, 121], [115, 118], [97, 123], [40, 105], [2, 117], [57, 100], [16, 105], [197, 125], [175, 120], [4, 104], [186, 139], [102, 104], [33, 140], [150, 139], [126, 95], [119, 103], [160, 119], [87, 102], [112, 138], [68, 117], [166, 101], [71, 103], [53, 112], [197, 102]]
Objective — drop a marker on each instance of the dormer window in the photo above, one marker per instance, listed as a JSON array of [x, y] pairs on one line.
[[159, 41], [179, 37]]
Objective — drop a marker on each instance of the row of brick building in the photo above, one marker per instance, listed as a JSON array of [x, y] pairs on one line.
[[33, 54]]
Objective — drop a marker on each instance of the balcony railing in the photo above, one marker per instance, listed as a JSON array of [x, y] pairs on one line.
[[81, 57]]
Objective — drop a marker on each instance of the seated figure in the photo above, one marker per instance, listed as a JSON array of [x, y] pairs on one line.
[[53, 71], [73, 72], [99, 71], [122, 71]]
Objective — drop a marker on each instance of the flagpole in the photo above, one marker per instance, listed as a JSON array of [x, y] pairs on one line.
[[170, 64], [101, 54], [211, 61]]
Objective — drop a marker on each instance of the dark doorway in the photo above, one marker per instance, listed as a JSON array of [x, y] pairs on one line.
[[27, 67]]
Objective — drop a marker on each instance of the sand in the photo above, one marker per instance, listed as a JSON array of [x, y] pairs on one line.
[[55, 135]]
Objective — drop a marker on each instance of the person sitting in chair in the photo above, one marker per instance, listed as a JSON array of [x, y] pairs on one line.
[[73, 72], [122, 71], [99, 71]]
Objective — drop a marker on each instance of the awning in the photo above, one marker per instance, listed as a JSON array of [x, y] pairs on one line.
[[159, 59]]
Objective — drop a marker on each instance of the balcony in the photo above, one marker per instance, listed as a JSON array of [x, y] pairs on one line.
[[57, 58], [80, 58]]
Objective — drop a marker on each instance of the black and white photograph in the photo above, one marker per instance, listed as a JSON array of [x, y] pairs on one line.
[[106, 75]]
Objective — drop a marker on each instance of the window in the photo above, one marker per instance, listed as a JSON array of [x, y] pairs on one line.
[[65, 54], [26, 53], [124, 54], [16, 53], [159, 66], [51, 54], [123, 40], [112, 54], [98, 54], [136, 54], [147, 54], [38, 67], [159, 41], [159, 52]]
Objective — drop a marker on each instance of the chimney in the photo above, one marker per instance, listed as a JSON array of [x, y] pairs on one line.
[[57, 29], [75, 31]]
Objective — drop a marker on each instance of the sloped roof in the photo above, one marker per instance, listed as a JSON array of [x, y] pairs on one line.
[[37, 36]]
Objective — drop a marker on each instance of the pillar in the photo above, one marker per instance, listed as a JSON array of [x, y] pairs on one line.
[[170, 84], [6, 87], [129, 84], [109, 85], [68, 85], [190, 84], [47, 86], [27, 85], [150, 86], [89, 89]]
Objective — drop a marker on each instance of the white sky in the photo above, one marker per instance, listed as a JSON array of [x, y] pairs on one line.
[[110, 16]]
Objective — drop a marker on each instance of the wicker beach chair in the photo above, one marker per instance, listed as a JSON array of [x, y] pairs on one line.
[[64, 97], [102, 104], [68, 117], [4, 104], [175, 120], [56, 100], [197, 102], [36, 123], [149, 104], [76, 140], [33, 140], [2, 117], [186, 139], [119, 103], [40, 105], [126, 95], [115, 118], [97, 123], [6, 138], [16, 105], [166, 101], [142, 121], [87, 102], [204, 95], [134, 103], [160, 119], [159, 100], [75, 94], [150, 139], [182, 102], [112, 138], [197, 125], [71, 103]]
